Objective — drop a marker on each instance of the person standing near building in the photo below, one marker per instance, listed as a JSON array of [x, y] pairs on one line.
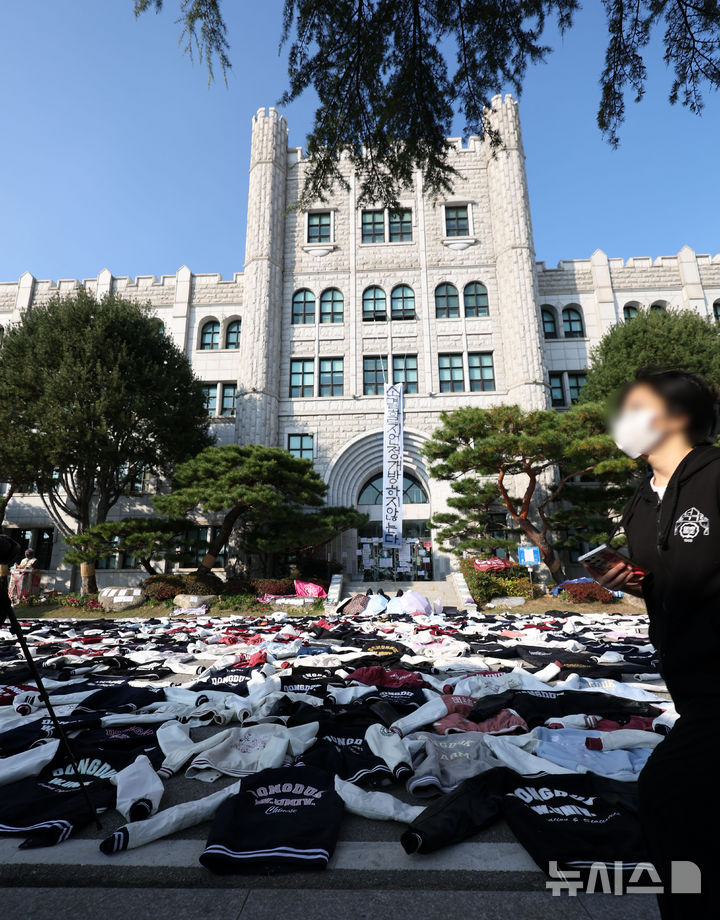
[[21, 576], [670, 418]]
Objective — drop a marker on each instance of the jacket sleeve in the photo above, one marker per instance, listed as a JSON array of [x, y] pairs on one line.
[[139, 790], [474, 805]]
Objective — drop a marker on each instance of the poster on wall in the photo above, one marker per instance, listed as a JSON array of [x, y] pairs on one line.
[[392, 497]]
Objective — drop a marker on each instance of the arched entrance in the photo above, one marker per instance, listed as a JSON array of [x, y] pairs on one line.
[[354, 478], [414, 560]]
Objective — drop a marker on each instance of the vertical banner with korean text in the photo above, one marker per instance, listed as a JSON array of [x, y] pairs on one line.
[[392, 497]]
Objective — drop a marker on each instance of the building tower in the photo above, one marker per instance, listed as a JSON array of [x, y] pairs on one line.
[[518, 300], [259, 357]]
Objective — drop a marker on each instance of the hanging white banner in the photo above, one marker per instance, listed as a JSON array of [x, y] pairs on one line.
[[392, 497]]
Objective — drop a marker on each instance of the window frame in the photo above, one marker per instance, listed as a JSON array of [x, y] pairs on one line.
[[401, 372], [716, 310], [402, 314], [567, 322], [333, 316], [557, 379], [214, 335], [451, 233], [298, 317], [577, 387], [234, 326], [301, 452], [443, 295], [375, 317], [630, 306], [404, 223], [481, 379], [546, 310], [449, 385], [303, 372], [377, 225], [225, 390], [319, 213], [210, 393], [337, 367], [374, 386], [480, 310]]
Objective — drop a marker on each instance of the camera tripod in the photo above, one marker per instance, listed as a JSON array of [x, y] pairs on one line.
[[9, 550]]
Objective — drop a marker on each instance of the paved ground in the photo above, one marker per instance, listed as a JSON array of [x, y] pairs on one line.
[[301, 904]]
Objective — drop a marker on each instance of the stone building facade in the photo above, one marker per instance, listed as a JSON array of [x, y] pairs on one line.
[[444, 295]]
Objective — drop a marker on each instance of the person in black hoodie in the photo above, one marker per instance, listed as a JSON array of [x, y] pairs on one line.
[[672, 523]]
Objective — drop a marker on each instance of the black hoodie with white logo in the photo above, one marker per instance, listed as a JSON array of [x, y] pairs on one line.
[[677, 541]]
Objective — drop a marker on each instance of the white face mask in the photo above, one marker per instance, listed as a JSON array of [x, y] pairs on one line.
[[633, 432]]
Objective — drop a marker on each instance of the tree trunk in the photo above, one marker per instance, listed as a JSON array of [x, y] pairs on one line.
[[5, 501], [547, 553], [87, 578], [214, 547], [148, 566]]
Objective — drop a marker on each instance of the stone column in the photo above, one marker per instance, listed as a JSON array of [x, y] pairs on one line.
[[259, 358], [517, 310]]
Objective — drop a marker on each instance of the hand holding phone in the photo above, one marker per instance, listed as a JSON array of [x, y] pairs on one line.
[[613, 570]]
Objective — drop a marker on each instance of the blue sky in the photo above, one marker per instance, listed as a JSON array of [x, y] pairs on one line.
[[116, 154]]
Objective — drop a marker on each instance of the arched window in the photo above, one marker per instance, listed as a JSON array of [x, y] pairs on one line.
[[447, 301], [475, 299], [232, 334], [549, 321], [303, 307], [402, 302], [374, 305], [658, 307], [573, 323], [413, 492], [630, 311], [210, 336], [716, 314], [331, 306]]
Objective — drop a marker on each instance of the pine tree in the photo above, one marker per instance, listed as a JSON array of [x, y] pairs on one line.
[[531, 462], [270, 501]]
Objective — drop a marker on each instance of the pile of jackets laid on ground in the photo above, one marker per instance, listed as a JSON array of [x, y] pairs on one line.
[[395, 711]]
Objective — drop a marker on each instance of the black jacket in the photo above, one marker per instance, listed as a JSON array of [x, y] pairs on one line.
[[677, 541]]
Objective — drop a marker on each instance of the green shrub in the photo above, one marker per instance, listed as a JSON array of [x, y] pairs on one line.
[[203, 584], [163, 587], [236, 586], [483, 586]]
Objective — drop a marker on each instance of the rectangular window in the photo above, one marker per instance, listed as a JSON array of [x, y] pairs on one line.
[[229, 395], [576, 381], [319, 227], [400, 225], [302, 377], [481, 371], [141, 481], [405, 370], [197, 540], [209, 392], [374, 375], [331, 377], [457, 221], [301, 446], [373, 226], [452, 378], [557, 389]]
